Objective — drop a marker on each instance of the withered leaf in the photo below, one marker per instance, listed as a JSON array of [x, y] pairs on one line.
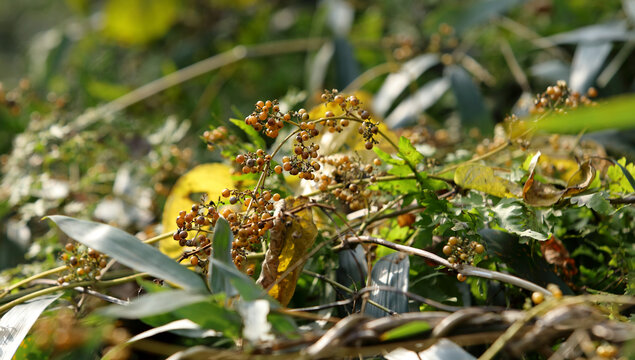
[[536, 193], [292, 235]]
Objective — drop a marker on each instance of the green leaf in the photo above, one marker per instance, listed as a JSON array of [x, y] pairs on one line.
[[406, 330], [408, 152], [15, 324], [221, 252], [154, 304], [624, 179], [129, 251], [469, 100], [252, 134], [595, 201], [615, 113], [385, 157], [391, 270], [513, 216]]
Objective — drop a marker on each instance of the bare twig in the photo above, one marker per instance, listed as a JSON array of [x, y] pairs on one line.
[[461, 268]]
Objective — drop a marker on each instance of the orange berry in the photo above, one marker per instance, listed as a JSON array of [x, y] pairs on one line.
[[226, 192]]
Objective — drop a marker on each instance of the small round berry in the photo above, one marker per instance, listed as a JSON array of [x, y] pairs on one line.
[[329, 114], [338, 99], [278, 169], [479, 248], [73, 260], [460, 277], [377, 162], [226, 192], [447, 250], [260, 104], [275, 197], [537, 297], [592, 92], [69, 247], [183, 235], [453, 240], [233, 200], [194, 260], [240, 158], [368, 145], [364, 114]]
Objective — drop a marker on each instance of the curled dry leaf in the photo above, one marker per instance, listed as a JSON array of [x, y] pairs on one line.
[[536, 193], [556, 254], [291, 237]]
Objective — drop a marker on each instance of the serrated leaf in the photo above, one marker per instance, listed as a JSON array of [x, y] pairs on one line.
[[482, 178], [209, 179], [625, 175], [218, 281], [129, 251], [409, 152], [469, 100], [391, 270], [252, 134], [406, 330], [15, 324], [514, 217], [385, 157], [594, 201]]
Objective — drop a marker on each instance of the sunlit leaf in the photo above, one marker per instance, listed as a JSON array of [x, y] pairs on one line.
[[616, 113], [406, 330], [288, 245], [587, 62], [154, 304], [139, 21], [129, 251], [516, 218], [252, 134], [209, 179], [482, 178], [15, 324], [397, 82]]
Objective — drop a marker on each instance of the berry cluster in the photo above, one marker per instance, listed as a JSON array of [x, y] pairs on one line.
[[253, 162], [250, 228], [444, 41], [267, 116], [202, 215], [84, 263], [218, 136], [560, 97], [460, 250], [348, 174]]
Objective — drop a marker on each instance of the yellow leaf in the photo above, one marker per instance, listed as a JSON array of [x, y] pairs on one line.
[[482, 178], [291, 238], [206, 178]]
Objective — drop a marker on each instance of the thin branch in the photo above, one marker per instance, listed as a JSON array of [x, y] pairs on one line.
[[8, 289], [461, 268], [104, 297]]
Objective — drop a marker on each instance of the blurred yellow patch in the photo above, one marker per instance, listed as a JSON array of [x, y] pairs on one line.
[[206, 178], [139, 21]]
